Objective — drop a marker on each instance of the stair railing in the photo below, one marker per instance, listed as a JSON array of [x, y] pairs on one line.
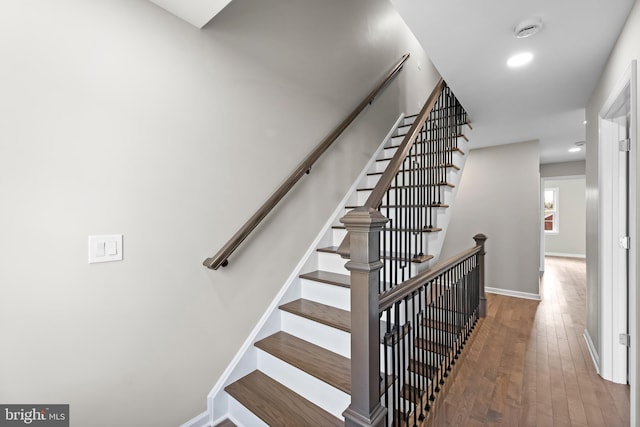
[[220, 259], [436, 312], [411, 188], [427, 321], [422, 319]]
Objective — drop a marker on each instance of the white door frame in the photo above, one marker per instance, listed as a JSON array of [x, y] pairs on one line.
[[613, 299]]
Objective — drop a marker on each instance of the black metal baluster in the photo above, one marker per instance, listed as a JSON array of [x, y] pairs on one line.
[[388, 344]]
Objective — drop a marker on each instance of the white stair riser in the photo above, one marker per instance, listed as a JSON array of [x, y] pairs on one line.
[[450, 176], [370, 181], [324, 293], [437, 217], [408, 120], [320, 393], [382, 163], [428, 238], [332, 262], [405, 196], [338, 235], [456, 159], [396, 140], [335, 264], [242, 416], [316, 333]]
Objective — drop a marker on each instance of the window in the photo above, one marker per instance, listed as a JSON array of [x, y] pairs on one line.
[[551, 210]]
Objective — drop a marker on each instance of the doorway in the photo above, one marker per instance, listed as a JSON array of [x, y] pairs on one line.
[[617, 223]]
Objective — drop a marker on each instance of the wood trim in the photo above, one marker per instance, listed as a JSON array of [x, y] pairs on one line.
[[220, 259]]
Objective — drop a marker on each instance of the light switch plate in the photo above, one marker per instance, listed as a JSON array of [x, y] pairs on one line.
[[105, 248]]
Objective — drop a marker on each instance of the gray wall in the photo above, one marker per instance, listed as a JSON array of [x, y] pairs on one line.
[[563, 169], [627, 49], [118, 117], [499, 196], [572, 215]]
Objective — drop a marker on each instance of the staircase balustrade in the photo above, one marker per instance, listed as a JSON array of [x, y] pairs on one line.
[[424, 317]]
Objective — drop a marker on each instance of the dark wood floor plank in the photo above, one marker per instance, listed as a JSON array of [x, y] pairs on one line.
[[529, 364]]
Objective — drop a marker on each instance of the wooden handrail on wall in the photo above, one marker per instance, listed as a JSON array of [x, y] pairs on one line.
[[221, 258], [375, 198]]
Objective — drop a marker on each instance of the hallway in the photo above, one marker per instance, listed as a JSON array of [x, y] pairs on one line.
[[529, 364]]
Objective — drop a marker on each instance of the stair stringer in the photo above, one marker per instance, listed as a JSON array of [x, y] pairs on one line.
[[219, 404]]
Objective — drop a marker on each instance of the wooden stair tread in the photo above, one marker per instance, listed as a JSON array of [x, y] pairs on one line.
[[437, 184], [429, 140], [429, 205], [329, 250], [393, 256], [411, 393], [400, 419], [278, 405], [411, 230], [430, 153], [343, 280], [318, 362], [422, 369], [432, 229], [331, 316], [226, 423], [441, 166], [321, 313], [431, 346], [441, 326]]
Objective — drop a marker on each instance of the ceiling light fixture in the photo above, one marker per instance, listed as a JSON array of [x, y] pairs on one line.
[[520, 59], [578, 147], [527, 28]]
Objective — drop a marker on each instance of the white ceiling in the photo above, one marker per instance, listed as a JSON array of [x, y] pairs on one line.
[[470, 41], [195, 12]]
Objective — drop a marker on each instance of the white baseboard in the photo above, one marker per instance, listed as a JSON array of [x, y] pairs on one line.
[[592, 351], [515, 294], [583, 256], [201, 420]]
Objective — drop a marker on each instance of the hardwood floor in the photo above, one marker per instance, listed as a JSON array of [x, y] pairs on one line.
[[529, 364]]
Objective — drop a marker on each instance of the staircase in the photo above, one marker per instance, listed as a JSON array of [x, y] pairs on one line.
[[295, 369]]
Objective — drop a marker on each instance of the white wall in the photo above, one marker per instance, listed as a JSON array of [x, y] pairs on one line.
[[499, 196], [627, 49], [118, 117], [570, 240]]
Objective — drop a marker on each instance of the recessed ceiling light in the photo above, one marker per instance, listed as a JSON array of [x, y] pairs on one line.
[[520, 59], [527, 28], [584, 122], [578, 147]]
